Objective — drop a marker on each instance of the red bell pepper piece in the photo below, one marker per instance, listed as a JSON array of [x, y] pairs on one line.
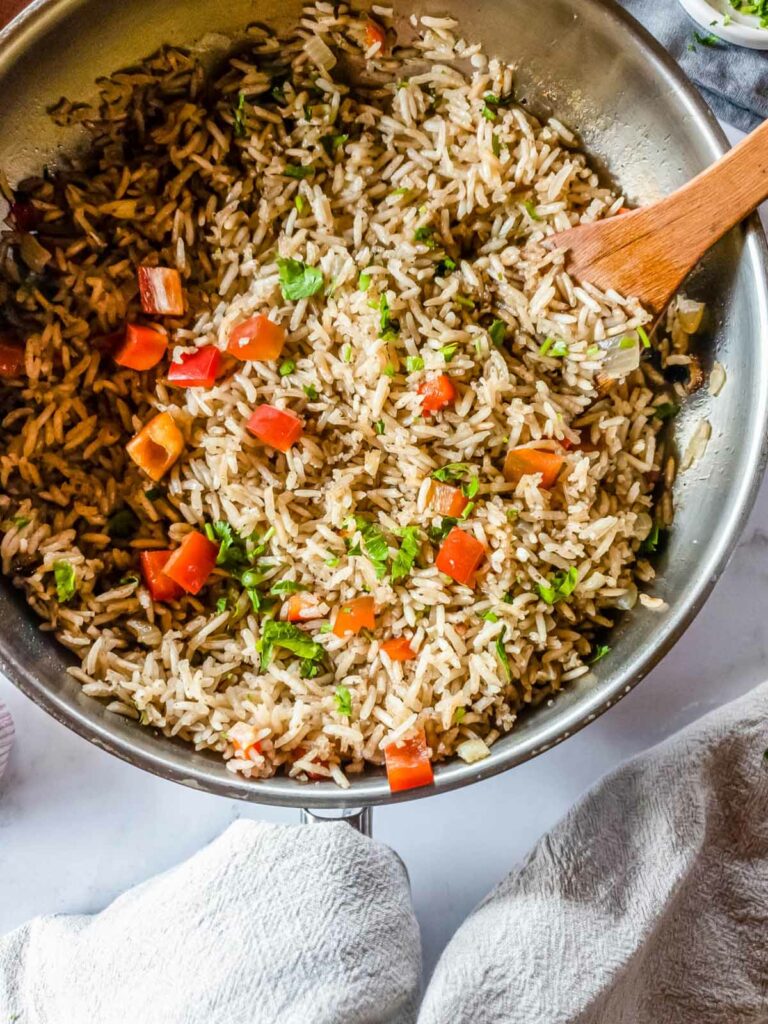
[[142, 347], [447, 500], [374, 33], [300, 608], [12, 357], [161, 291], [437, 393], [398, 649], [160, 586], [192, 562], [279, 428], [408, 764], [157, 445], [258, 339], [522, 462], [460, 556], [355, 615], [196, 369]]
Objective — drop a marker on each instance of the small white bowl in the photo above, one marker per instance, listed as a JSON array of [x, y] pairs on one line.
[[744, 29]]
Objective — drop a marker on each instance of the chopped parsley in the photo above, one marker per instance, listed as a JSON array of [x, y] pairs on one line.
[[530, 209], [343, 699], [299, 171], [489, 616], [331, 143], [286, 587], [286, 367], [300, 203], [374, 543], [449, 351], [453, 472], [287, 637], [497, 332], [410, 544], [710, 39], [414, 363], [311, 392], [600, 652], [440, 532], [445, 266], [66, 581], [501, 652], [666, 411], [238, 556], [654, 541], [122, 525], [238, 117], [297, 280], [424, 235], [561, 586], [389, 328], [364, 282], [379, 427], [221, 605]]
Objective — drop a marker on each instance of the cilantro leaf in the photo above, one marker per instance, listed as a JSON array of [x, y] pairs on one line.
[[297, 280], [414, 363], [452, 472], [501, 652], [299, 171], [331, 143], [374, 543], [654, 541], [343, 699], [286, 587], [66, 581], [389, 328], [288, 637], [530, 209], [561, 586], [497, 332], [600, 651], [439, 533], [410, 544]]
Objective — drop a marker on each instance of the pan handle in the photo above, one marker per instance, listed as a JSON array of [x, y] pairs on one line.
[[359, 818]]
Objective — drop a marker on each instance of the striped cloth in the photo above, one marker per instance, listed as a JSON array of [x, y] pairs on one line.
[[6, 736]]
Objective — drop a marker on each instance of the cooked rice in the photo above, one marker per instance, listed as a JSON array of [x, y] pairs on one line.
[[175, 175]]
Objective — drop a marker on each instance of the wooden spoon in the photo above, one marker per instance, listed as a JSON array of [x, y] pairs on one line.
[[647, 253]]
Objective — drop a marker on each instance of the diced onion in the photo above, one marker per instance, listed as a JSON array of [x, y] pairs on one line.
[[697, 445], [628, 599], [319, 53], [145, 632], [690, 314], [716, 380], [622, 355], [473, 750]]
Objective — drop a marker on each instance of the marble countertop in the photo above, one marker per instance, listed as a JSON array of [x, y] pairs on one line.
[[77, 826]]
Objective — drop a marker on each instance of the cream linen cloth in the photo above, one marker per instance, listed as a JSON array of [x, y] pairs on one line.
[[647, 904]]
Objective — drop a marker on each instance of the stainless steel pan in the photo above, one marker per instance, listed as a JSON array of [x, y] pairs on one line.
[[604, 76]]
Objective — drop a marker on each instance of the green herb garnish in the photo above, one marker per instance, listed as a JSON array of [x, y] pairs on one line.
[[654, 541], [299, 171], [288, 637], [343, 699], [66, 581], [286, 367], [414, 363], [331, 143], [286, 587], [445, 266], [238, 117], [644, 337], [311, 392], [531, 210], [297, 280], [299, 203], [364, 282], [379, 427], [497, 332], [561, 586], [449, 351], [501, 651], [489, 616], [389, 328], [666, 411], [599, 652], [374, 543], [410, 545]]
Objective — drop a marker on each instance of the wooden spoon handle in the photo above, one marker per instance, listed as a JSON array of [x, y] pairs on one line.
[[701, 212], [649, 251]]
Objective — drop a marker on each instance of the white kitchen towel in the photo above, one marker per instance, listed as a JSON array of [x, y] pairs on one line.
[[647, 904], [6, 737]]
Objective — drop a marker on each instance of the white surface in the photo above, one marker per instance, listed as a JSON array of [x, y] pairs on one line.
[[743, 29], [77, 826]]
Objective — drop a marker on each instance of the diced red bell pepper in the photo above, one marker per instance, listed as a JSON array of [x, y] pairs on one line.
[[241, 736], [160, 586], [258, 338], [355, 615], [408, 763], [196, 369], [192, 562], [142, 347], [279, 428], [447, 500], [12, 358], [437, 393], [23, 215], [460, 556], [374, 33], [157, 445], [161, 291], [522, 462], [300, 608], [398, 649]]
